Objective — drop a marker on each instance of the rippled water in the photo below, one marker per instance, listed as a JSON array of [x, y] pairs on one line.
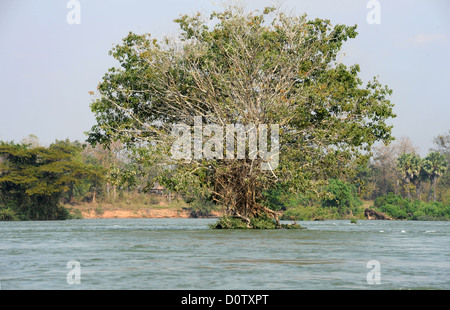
[[186, 254]]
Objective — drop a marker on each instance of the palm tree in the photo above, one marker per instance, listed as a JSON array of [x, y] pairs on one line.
[[435, 165], [421, 176], [409, 167]]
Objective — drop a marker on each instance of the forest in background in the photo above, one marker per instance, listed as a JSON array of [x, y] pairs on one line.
[[43, 182]]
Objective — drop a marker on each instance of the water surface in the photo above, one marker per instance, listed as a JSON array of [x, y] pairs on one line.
[[186, 254]]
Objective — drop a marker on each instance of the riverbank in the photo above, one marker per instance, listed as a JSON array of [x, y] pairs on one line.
[[119, 211], [161, 207], [154, 207]]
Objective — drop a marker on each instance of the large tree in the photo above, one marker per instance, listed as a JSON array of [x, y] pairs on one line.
[[252, 69]]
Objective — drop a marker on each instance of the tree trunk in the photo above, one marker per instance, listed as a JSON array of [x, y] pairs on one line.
[[431, 188], [434, 185], [408, 193], [93, 196], [237, 188], [244, 218], [418, 189]]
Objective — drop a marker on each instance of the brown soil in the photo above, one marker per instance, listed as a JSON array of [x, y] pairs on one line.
[[108, 211], [159, 213]]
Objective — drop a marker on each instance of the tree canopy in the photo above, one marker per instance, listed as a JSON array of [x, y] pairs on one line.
[[33, 180], [237, 67]]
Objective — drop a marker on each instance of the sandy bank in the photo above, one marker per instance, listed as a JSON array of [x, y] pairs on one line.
[[90, 214], [95, 211]]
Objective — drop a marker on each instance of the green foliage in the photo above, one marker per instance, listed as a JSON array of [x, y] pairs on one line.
[[74, 214], [341, 197], [410, 167], [201, 207], [305, 207], [276, 198], [415, 170], [81, 189], [391, 199], [229, 222], [8, 214], [34, 180], [339, 200], [99, 211], [262, 222], [308, 213], [435, 166], [403, 209]]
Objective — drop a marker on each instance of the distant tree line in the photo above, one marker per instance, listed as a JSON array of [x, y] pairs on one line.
[[397, 179], [36, 181], [399, 169]]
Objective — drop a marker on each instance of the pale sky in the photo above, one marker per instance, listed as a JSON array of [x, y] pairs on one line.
[[48, 66]]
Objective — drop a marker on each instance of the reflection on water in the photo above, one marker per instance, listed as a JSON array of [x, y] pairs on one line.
[[186, 254]]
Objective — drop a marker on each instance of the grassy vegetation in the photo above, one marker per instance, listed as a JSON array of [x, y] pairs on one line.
[[263, 222], [339, 201], [404, 209]]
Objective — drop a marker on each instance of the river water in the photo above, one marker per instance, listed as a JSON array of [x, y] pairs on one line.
[[181, 254]]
